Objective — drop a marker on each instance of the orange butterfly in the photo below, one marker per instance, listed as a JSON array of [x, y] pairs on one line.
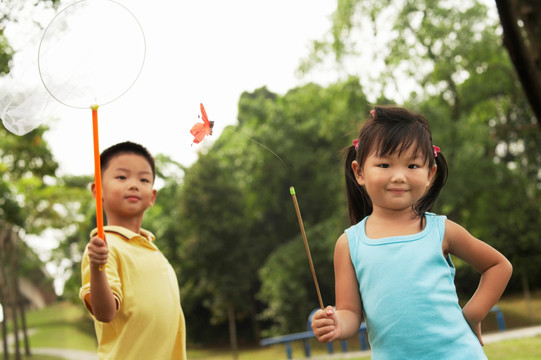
[[200, 130]]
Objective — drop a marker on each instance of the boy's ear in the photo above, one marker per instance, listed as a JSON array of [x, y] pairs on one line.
[[154, 195], [93, 189], [358, 172]]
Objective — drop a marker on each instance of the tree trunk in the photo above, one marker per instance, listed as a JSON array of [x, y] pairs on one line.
[[3, 302], [255, 325], [527, 294], [12, 289], [232, 331], [528, 74], [18, 297], [13, 311], [23, 323]]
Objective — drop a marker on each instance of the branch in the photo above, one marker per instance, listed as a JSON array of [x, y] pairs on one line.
[[528, 74]]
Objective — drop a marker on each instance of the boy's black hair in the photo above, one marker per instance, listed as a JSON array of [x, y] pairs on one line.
[[392, 130], [126, 147]]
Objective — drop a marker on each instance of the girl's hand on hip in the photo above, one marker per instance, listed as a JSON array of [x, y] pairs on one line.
[[476, 328]]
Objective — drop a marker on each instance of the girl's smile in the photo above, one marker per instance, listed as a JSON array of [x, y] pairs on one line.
[[398, 191], [394, 181]]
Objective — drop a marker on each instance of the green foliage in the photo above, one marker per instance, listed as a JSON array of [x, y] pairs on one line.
[[25, 161], [474, 103], [6, 54], [287, 283], [234, 206], [10, 11]]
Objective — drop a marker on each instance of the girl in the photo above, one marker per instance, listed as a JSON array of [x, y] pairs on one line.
[[397, 254]]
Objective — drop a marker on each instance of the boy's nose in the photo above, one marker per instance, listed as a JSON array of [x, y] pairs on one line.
[[133, 185]]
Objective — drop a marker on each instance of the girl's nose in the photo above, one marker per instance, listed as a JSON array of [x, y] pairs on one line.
[[398, 176]]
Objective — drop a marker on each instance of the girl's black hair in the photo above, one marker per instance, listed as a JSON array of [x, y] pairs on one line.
[[390, 130]]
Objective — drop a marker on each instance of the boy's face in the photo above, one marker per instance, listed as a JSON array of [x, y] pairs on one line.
[[127, 187]]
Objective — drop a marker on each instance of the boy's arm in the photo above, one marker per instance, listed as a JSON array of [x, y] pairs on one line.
[[100, 298], [495, 272]]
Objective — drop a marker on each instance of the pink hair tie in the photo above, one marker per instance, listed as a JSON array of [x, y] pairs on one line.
[[372, 112], [355, 144], [436, 150]]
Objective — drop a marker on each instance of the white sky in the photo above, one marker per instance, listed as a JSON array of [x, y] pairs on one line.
[[207, 51]]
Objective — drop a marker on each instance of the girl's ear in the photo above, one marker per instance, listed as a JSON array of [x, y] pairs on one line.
[[431, 174], [358, 172]]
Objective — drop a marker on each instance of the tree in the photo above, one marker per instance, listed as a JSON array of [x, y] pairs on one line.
[[465, 85], [214, 206], [14, 11], [26, 162], [237, 209], [520, 21]]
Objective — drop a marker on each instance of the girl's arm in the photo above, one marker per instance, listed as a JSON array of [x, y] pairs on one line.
[[328, 324], [495, 272], [101, 297]]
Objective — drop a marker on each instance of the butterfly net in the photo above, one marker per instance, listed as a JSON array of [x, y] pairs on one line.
[[91, 53]]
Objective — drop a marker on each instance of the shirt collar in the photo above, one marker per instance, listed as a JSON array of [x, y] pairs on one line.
[[127, 234]]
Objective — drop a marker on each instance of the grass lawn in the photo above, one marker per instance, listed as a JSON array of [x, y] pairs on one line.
[[519, 349], [66, 325], [62, 325]]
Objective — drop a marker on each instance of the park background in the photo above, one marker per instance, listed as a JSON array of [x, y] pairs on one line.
[[225, 219]]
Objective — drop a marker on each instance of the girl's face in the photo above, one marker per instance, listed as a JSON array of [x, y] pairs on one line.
[[127, 184], [394, 182]]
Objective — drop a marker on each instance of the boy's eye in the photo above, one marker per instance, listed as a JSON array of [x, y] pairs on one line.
[[121, 177], [145, 180]]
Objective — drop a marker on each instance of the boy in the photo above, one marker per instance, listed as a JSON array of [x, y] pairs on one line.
[[134, 300]]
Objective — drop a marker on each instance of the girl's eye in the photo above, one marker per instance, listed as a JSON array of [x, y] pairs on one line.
[[384, 166], [413, 166]]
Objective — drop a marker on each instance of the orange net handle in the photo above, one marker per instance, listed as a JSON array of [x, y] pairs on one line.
[[97, 175]]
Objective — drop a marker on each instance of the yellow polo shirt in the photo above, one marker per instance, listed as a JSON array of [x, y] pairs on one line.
[[149, 323]]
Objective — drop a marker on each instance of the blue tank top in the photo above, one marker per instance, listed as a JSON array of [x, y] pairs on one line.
[[409, 297]]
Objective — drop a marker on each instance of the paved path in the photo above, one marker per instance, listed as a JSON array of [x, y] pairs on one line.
[[487, 338], [512, 334], [67, 354]]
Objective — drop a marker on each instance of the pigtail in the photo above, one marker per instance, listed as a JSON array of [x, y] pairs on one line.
[[440, 178], [359, 203]]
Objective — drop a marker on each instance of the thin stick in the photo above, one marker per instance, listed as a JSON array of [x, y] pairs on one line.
[[97, 176], [292, 191]]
